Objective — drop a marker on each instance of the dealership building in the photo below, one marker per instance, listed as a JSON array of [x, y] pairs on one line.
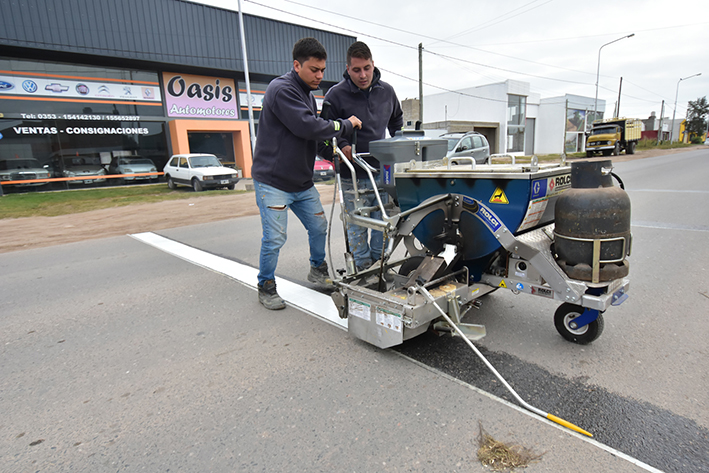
[[91, 80]]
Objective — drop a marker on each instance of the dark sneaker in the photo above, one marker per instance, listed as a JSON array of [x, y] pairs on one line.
[[320, 275], [268, 296]]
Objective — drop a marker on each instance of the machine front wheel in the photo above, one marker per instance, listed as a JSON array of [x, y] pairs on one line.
[[563, 321]]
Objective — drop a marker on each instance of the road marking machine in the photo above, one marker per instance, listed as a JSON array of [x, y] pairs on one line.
[[550, 230]]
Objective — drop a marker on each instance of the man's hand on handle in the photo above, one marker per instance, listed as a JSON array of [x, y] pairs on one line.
[[356, 122]]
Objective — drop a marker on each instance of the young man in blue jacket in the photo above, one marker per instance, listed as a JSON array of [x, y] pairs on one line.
[[289, 130], [364, 94]]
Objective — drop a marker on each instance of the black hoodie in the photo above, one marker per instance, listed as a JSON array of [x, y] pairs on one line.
[[289, 129], [379, 111]]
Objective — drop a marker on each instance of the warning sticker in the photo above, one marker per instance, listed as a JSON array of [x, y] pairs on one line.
[[359, 309], [388, 319], [535, 211], [499, 197], [502, 284], [542, 190]]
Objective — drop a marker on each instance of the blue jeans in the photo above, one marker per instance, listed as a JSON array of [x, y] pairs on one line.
[[365, 250], [273, 205]]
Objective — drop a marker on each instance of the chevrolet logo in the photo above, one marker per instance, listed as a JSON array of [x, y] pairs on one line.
[[57, 88]]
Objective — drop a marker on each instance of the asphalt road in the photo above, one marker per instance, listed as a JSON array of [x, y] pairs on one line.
[[118, 357]]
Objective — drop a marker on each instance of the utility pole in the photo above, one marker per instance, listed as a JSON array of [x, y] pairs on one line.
[[566, 117], [659, 130], [617, 105], [598, 72], [421, 83], [672, 130], [252, 129]]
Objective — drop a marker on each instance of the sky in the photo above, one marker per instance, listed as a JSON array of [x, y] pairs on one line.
[[551, 44]]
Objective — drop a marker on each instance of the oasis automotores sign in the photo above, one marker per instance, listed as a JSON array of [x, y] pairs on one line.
[[189, 96]]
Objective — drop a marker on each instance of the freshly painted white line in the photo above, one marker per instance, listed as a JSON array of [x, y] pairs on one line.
[[321, 306], [308, 300]]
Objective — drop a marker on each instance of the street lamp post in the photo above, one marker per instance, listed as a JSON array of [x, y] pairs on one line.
[[672, 130], [598, 71]]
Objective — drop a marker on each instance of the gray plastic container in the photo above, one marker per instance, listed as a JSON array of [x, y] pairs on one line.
[[404, 146]]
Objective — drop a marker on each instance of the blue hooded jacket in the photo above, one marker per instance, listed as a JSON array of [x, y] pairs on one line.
[[289, 129], [379, 111]]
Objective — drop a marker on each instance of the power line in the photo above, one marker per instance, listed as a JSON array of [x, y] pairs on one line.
[[594, 35], [493, 22], [421, 36], [417, 34]]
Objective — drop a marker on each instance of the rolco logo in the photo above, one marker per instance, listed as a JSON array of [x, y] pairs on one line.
[[559, 183], [542, 291], [488, 218], [563, 180], [177, 87], [387, 174]]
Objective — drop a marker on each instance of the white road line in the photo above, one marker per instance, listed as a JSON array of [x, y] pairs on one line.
[[670, 226], [322, 307], [671, 191], [303, 298]]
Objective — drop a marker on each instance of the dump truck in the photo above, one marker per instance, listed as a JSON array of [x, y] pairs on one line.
[[611, 136]]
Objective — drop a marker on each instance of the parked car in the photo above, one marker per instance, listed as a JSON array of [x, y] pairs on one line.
[[200, 171], [80, 166], [132, 165], [469, 145], [21, 169], [323, 169]]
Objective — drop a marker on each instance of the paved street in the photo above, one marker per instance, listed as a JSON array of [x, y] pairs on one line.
[[119, 357]]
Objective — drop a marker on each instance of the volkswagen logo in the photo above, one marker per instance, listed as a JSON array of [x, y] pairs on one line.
[[29, 86]]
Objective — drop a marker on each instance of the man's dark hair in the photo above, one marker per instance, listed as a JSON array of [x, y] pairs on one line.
[[359, 50], [306, 48]]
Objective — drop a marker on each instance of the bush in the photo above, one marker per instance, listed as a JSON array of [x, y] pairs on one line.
[[696, 140], [646, 143]]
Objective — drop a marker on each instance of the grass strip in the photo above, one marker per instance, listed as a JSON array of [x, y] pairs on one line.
[[51, 204]]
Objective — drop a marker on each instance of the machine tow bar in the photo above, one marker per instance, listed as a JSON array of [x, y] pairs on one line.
[[423, 291]]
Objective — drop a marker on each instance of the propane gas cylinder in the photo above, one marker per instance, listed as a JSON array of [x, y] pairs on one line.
[[592, 225]]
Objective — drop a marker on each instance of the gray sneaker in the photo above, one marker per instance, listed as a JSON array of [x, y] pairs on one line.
[[268, 296], [320, 275]]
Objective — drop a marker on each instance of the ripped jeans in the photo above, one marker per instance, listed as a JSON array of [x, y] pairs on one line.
[[273, 205]]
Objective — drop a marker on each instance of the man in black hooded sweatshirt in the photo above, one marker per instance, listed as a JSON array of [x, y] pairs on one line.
[[363, 94]]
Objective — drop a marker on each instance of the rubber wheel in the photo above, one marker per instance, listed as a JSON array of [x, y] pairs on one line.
[[589, 154], [616, 150], [231, 187], [196, 185], [563, 317], [170, 183], [631, 148]]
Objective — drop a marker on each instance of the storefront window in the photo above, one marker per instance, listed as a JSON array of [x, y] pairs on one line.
[[68, 122], [516, 117], [75, 149]]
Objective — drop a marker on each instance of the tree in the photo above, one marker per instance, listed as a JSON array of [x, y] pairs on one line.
[[698, 110]]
